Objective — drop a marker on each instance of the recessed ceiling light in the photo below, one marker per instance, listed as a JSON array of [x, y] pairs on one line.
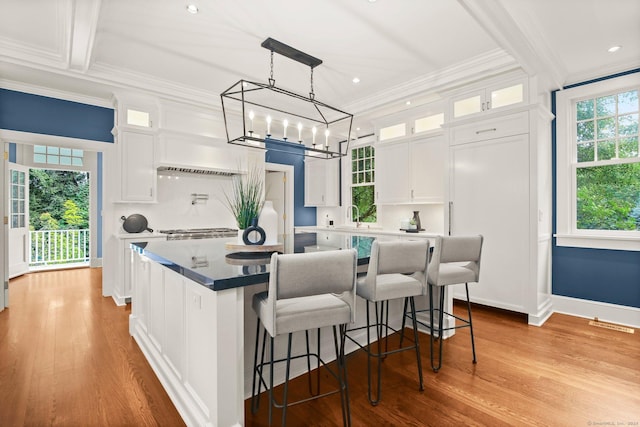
[[356, 80], [192, 8], [614, 48], [408, 102], [372, 1]]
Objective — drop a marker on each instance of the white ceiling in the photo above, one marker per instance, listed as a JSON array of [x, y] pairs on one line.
[[398, 48]]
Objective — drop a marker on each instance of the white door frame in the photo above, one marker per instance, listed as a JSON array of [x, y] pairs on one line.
[[288, 196], [4, 233]]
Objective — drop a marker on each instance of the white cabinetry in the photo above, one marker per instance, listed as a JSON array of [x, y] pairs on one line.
[[496, 190], [321, 182], [125, 272], [494, 96], [138, 168], [193, 338], [411, 171]]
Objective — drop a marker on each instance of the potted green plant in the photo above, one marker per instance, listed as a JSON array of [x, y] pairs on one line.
[[246, 198]]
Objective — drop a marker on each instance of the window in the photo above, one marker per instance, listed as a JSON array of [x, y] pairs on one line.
[[18, 183], [363, 183], [57, 155], [598, 165], [433, 122], [138, 118]]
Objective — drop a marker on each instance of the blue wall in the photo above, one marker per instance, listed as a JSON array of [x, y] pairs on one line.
[[293, 156], [50, 116], [593, 274]]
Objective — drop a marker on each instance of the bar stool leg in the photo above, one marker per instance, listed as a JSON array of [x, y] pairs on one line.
[[286, 381], [254, 401], [440, 328], [342, 377], [431, 326], [417, 340], [258, 370], [270, 379], [440, 309], [473, 344], [370, 355], [404, 321]]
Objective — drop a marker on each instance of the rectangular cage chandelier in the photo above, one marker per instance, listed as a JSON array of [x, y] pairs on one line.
[[277, 119]]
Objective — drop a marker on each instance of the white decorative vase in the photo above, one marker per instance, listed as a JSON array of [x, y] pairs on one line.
[[268, 220]]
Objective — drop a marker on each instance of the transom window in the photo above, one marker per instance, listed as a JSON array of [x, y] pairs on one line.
[[57, 155], [363, 184]]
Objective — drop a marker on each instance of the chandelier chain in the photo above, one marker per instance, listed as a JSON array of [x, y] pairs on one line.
[[312, 94], [271, 80]]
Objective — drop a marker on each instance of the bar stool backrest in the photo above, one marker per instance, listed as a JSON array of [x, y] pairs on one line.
[[309, 274], [397, 257], [455, 249]]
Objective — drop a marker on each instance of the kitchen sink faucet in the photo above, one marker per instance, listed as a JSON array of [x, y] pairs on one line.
[[357, 214]]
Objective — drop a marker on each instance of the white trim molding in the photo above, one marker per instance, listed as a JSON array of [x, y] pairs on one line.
[[605, 312]]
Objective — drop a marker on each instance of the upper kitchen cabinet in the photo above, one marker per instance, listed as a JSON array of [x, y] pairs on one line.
[[136, 112], [138, 168], [410, 123], [135, 131], [411, 156], [494, 96], [411, 171], [321, 182]]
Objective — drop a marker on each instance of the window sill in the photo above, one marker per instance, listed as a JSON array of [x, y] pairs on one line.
[[622, 243]]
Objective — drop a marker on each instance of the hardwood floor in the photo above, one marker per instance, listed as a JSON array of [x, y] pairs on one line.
[[66, 358], [565, 373]]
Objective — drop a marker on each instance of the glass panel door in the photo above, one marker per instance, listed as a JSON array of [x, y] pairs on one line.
[[507, 96]]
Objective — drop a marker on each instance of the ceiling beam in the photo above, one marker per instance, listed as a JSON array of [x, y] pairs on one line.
[[82, 33], [520, 38]]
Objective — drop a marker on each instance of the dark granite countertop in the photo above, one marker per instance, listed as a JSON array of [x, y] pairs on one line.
[[209, 263]]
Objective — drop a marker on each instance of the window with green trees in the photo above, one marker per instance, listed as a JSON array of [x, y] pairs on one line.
[[607, 167], [363, 183]]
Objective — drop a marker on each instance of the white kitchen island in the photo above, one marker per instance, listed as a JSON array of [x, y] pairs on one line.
[[188, 316]]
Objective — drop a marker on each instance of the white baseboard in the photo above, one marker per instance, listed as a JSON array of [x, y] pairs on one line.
[[119, 300], [545, 310], [611, 313]]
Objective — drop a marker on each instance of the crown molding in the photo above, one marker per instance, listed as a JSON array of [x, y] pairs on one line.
[[54, 93], [600, 72], [480, 67], [138, 82]]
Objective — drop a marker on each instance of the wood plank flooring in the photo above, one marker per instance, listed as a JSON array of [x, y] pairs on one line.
[[66, 358], [565, 373]]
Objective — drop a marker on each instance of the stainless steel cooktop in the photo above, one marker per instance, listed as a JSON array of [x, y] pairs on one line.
[[199, 233]]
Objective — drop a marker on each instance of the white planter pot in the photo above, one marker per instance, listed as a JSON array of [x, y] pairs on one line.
[[268, 220]]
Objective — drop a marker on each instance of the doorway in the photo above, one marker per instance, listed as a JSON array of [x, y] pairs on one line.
[[81, 243], [279, 189]]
